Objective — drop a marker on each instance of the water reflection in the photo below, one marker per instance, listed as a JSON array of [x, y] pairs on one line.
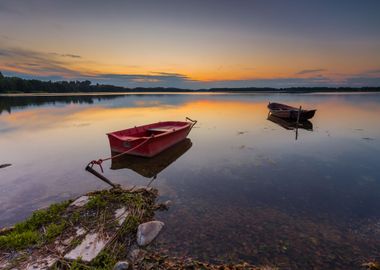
[[9, 103], [291, 124], [151, 167], [243, 191]]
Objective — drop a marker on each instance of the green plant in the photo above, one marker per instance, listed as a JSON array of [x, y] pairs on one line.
[[19, 240], [53, 230], [96, 202]]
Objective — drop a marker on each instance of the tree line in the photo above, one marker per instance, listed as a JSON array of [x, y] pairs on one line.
[[19, 85]]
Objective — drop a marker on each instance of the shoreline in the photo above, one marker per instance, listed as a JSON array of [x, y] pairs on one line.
[[48, 94], [106, 229]]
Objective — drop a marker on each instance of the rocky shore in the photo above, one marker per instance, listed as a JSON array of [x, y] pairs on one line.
[[109, 229]]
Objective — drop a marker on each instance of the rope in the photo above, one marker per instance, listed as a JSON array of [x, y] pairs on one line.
[[100, 161]]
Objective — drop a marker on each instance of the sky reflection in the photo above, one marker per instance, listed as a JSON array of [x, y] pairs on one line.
[[238, 161]]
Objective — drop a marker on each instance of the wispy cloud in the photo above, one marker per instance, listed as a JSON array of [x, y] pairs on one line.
[[36, 63], [67, 55], [161, 79], [310, 71]]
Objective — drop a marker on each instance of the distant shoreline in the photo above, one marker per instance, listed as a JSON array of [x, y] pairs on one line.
[[190, 92], [18, 86]]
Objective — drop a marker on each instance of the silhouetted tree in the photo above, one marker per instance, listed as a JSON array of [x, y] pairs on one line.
[[15, 84]]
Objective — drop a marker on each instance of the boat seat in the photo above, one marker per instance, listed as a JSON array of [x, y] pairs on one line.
[[164, 129], [129, 138]]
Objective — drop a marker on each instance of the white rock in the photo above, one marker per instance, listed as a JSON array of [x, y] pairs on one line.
[[89, 248], [120, 215], [148, 231], [81, 201]]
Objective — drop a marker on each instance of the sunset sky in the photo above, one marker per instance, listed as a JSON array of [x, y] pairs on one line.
[[193, 44]]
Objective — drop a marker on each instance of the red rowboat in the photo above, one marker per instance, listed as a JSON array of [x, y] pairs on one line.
[[149, 140], [285, 111]]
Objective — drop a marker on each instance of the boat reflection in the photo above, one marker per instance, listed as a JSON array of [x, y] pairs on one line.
[[150, 167], [291, 125]]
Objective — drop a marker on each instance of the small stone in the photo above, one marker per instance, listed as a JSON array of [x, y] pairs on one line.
[[121, 266], [148, 231]]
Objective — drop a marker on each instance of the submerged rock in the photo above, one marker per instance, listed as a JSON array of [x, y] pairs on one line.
[[163, 206], [148, 231], [5, 165], [121, 266]]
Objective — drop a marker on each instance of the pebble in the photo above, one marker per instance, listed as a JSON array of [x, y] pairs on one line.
[[121, 266]]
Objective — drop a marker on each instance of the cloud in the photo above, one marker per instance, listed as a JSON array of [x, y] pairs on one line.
[[153, 79], [309, 71], [67, 55], [35, 63]]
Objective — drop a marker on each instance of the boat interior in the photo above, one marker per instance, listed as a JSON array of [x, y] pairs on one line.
[[149, 130]]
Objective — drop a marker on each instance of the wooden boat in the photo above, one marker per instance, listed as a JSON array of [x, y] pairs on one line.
[[150, 167], [291, 124], [289, 112], [149, 140]]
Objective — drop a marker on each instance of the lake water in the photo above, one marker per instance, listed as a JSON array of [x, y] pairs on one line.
[[243, 188]]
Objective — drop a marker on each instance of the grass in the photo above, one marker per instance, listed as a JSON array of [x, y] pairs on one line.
[[43, 217], [96, 202], [19, 240], [28, 233], [136, 201], [53, 230]]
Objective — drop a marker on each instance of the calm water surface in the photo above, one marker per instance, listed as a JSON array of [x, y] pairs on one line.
[[243, 189]]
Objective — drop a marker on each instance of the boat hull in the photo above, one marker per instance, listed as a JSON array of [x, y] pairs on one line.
[[288, 112], [148, 140]]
